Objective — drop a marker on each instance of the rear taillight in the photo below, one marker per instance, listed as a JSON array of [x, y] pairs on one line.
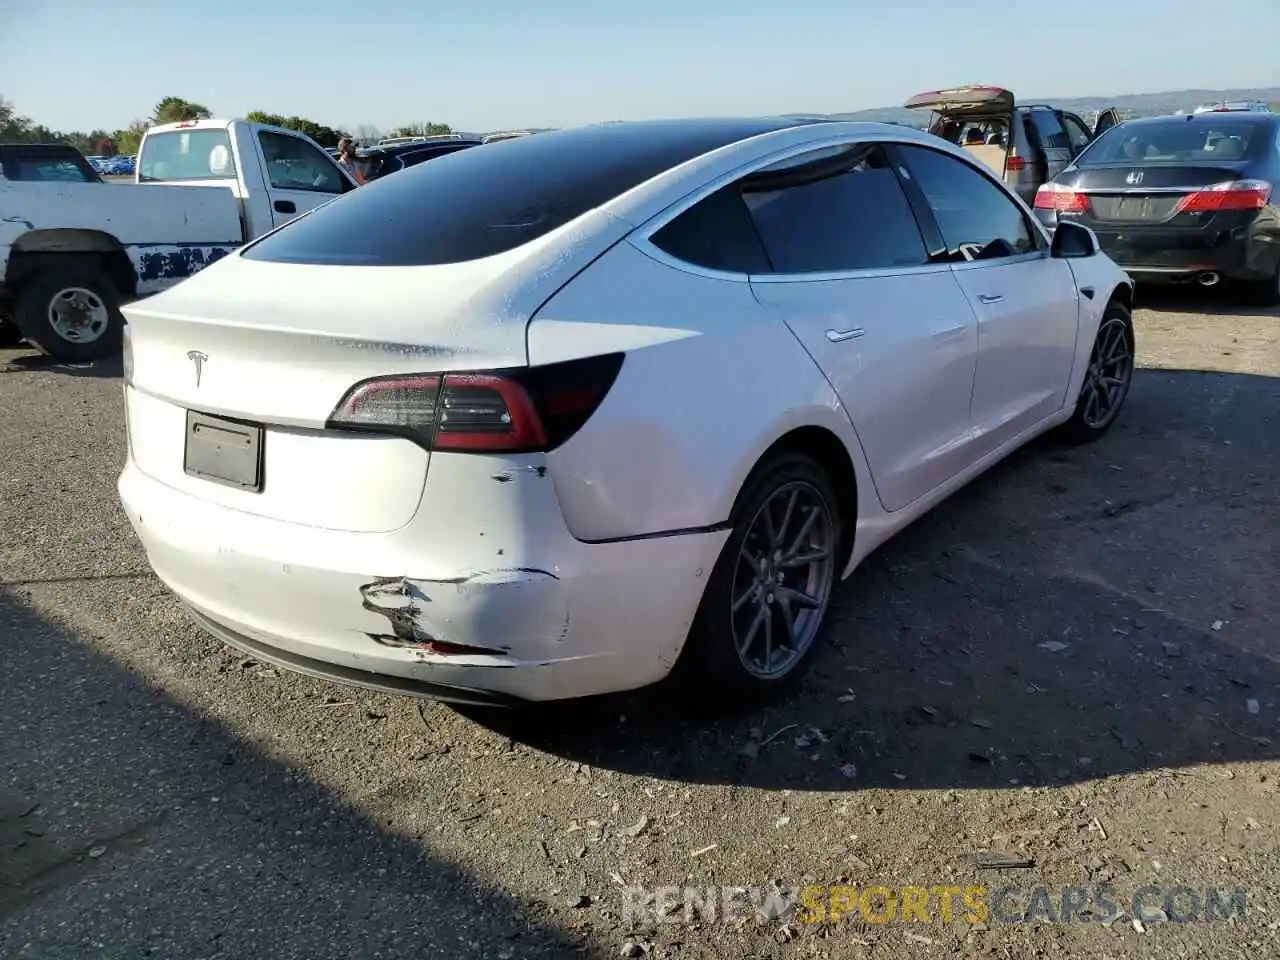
[[1231, 195], [1015, 165], [508, 411], [1054, 196]]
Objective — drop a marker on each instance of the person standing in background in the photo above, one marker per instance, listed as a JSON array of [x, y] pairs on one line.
[[347, 160]]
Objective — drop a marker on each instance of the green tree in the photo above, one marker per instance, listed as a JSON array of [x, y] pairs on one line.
[[129, 139], [321, 134], [423, 129], [175, 109]]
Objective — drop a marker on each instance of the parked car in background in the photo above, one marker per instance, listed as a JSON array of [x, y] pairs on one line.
[[73, 248], [44, 163], [1026, 144], [1186, 198], [505, 135], [1235, 106], [381, 161], [561, 415]]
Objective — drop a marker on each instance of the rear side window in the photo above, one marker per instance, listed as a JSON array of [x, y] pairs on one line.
[[487, 200], [1049, 129], [716, 233], [187, 155], [834, 212]]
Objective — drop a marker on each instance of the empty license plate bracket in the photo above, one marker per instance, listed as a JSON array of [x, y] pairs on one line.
[[224, 451]]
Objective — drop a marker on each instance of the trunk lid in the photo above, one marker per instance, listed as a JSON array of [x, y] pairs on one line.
[[282, 342], [1146, 194], [971, 99]]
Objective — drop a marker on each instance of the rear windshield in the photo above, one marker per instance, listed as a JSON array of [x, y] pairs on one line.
[[493, 198], [1177, 141], [187, 155]]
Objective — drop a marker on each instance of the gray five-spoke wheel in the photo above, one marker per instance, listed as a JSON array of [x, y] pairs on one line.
[[1110, 371], [783, 578]]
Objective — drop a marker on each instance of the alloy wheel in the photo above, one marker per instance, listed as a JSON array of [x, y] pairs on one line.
[[783, 580], [1110, 372]]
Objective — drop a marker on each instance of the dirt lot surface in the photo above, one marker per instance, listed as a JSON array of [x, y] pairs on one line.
[[1072, 664]]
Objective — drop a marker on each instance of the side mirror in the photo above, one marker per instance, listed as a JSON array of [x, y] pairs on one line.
[[1073, 240]]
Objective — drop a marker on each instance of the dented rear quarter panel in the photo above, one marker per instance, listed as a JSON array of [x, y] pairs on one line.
[[168, 232]]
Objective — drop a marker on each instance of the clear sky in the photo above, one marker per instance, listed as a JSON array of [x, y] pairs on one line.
[[488, 64]]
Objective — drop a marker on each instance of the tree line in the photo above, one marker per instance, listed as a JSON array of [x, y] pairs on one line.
[[16, 128]]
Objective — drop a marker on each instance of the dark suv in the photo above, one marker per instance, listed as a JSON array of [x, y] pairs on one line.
[[45, 162], [1026, 144]]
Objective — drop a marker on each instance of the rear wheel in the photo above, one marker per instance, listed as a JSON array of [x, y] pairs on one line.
[[766, 602], [1107, 379], [72, 313]]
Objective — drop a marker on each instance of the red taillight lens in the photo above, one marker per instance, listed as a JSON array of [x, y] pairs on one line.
[[1231, 195], [1015, 165], [518, 411], [1053, 196]]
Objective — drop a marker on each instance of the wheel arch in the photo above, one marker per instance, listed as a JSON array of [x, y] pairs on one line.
[[832, 454], [39, 250]]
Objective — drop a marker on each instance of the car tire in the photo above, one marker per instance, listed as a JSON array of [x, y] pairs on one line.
[[753, 587], [1107, 379], [71, 312]]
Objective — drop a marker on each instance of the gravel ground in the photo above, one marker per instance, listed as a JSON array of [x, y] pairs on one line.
[[1073, 664]]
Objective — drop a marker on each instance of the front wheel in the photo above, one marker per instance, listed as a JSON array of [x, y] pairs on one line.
[[72, 313], [766, 601], [1107, 379]]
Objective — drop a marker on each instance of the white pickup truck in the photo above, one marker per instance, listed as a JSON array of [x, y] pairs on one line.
[[74, 247]]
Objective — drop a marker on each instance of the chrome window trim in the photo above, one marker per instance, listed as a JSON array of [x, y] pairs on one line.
[[642, 237]]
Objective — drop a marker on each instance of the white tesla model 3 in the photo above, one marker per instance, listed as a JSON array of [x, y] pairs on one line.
[[562, 414]]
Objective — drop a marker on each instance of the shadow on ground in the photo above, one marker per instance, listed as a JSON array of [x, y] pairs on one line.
[[114, 800], [1076, 613], [17, 360], [1223, 300]]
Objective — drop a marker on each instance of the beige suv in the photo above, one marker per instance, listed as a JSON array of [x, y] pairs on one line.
[[1026, 144]]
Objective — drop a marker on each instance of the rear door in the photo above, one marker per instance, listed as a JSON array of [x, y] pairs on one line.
[[299, 175], [1026, 302], [1053, 139], [892, 332]]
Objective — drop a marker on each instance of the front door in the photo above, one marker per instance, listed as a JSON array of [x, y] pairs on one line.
[[300, 177], [1026, 302], [892, 332]]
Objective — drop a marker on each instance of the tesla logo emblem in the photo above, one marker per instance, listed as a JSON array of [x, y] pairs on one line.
[[198, 358], [1134, 178]]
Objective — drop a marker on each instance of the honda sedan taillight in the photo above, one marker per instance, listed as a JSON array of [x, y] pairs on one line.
[[509, 411]]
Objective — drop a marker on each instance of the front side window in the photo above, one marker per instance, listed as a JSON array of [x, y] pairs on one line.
[[294, 164], [977, 219], [187, 155]]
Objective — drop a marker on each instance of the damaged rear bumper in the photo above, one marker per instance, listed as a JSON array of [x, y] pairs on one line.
[[324, 670], [482, 597]]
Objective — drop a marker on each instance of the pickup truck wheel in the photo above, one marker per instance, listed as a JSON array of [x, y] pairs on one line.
[[71, 313]]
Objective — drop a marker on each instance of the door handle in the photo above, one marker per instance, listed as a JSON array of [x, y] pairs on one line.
[[285, 206], [990, 298], [839, 336]]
